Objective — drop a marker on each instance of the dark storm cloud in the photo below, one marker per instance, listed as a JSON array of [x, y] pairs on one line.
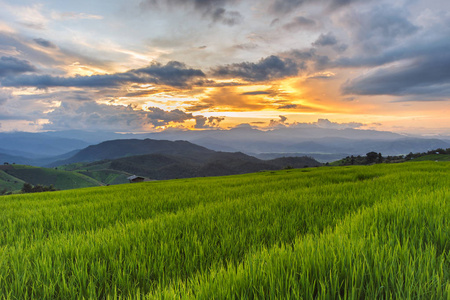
[[10, 66], [269, 68], [325, 40], [300, 22], [428, 76], [173, 74], [44, 43]]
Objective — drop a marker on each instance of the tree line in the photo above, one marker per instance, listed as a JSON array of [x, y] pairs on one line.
[[376, 158], [29, 188]]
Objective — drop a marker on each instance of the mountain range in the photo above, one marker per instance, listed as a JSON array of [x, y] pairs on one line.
[[158, 159], [323, 144]]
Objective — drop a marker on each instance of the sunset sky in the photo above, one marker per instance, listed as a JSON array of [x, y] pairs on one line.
[[150, 65]]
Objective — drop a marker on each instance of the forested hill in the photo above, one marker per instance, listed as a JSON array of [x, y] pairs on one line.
[[130, 147]]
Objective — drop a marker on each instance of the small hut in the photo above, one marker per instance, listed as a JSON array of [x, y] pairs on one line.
[[135, 178]]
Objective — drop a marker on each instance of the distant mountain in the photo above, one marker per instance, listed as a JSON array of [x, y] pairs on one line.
[[321, 143], [42, 161], [37, 145], [8, 158], [122, 148], [163, 166], [161, 159]]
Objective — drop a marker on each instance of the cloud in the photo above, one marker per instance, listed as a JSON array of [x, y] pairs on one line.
[[230, 18], [20, 46], [45, 43], [287, 6], [279, 123], [10, 66], [75, 16], [327, 124], [325, 40], [204, 122], [172, 74], [227, 98], [300, 22], [246, 46], [427, 76], [288, 106], [337, 4], [94, 116], [4, 96], [73, 95], [312, 55], [297, 107], [269, 68], [212, 9], [255, 93], [202, 5], [379, 27], [160, 117]]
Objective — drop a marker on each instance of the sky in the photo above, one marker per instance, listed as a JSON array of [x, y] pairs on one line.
[[154, 65]]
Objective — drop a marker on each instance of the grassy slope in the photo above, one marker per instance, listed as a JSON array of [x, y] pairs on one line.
[[60, 179], [108, 176], [356, 232], [99, 171], [434, 157], [9, 182]]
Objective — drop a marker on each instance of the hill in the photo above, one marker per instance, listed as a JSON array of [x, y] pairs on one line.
[[362, 232], [12, 178], [433, 157], [168, 160], [185, 165], [130, 147]]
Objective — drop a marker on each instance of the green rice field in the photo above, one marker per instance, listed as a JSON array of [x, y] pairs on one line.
[[359, 232]]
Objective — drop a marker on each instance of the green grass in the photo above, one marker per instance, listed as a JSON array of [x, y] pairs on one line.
[[45, 176], [360, 232], [434, 157], [9, 182], [108, 176]]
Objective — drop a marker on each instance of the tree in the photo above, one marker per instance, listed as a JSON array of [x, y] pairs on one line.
[[27, 188], [409, 156], [380, 158], [371, 157]]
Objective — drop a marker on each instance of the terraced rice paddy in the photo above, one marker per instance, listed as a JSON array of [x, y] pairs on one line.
[[359, 232]]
